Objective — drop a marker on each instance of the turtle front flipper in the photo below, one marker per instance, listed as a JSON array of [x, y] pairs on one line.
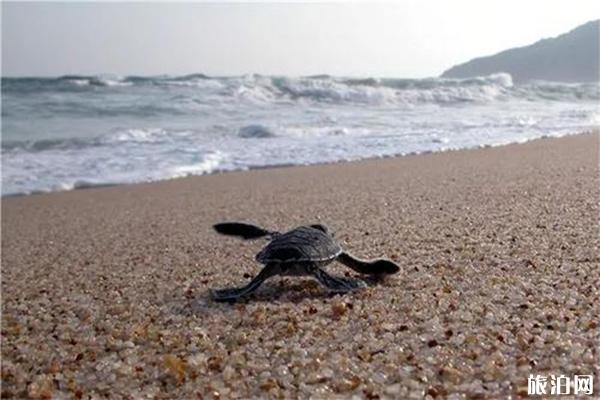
[[374, 267], [232, 294], [242, 230], [338, 284]]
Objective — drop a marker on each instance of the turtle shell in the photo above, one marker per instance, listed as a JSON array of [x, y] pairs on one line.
[[303, 244]]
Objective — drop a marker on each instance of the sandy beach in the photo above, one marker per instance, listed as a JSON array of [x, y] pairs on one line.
[[105, 291]]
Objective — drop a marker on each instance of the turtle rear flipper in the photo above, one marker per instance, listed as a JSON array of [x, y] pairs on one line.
[[232, 294], [374, 267], [338, 284]]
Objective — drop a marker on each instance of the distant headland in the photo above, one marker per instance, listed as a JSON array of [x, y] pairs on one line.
[[571, 57]]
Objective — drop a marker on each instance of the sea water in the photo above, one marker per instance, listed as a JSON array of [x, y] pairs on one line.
[[81, 131]]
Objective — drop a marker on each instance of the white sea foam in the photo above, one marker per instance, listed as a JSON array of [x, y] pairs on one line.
[[209, 164]]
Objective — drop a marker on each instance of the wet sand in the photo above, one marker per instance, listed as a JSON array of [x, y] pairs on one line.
[[104, 291]]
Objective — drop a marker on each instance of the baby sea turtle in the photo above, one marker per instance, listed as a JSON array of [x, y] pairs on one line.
[[302, 251]]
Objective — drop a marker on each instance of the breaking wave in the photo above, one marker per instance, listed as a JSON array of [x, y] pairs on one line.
[[320, 88]]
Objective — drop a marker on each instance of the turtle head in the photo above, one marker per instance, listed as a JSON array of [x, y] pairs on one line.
[[322, 228]]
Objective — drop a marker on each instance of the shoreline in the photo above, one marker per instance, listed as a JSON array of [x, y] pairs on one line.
[[105, 291], [87, 186]]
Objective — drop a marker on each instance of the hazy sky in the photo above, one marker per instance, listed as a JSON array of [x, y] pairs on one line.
[[402, 39]]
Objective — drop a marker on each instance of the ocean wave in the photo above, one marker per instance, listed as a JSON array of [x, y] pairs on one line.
[[60, 171], [136, 135], [116, 137], [396, 91], [323, 88], [554, 91], [190, 77], [256, 131], [61, 106], [40, 145], [64, 133], [101, 81]]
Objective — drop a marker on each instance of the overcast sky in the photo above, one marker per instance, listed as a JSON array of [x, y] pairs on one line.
[[402, 39]]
